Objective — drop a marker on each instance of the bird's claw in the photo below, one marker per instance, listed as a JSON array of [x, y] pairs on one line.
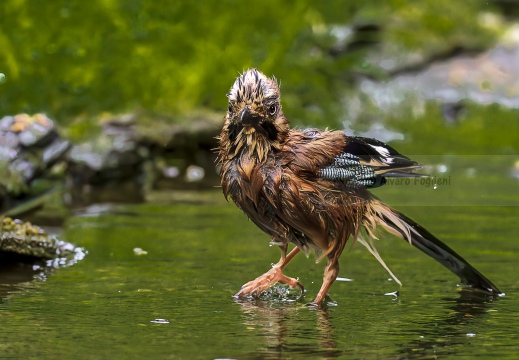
[[265, 281]]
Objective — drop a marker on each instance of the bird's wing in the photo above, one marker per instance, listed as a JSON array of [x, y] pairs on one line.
[[368, 162]]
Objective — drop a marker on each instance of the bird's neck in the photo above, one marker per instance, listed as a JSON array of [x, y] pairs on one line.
[[248, 144], [249, 148]]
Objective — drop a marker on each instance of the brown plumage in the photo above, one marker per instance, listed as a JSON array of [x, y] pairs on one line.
[[310, 187]]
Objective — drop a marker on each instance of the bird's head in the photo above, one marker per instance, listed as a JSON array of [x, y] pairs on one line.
[[255, 109]]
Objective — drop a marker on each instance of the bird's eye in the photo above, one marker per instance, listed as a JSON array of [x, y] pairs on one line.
[[272, 109]]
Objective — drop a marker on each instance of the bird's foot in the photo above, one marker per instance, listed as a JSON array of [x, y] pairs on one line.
[[265, 281]]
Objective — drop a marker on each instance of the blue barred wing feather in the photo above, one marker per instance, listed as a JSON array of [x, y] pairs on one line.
[[367, 162]]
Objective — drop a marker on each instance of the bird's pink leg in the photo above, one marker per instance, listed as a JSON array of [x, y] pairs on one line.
[[274, 275], [330, 273]]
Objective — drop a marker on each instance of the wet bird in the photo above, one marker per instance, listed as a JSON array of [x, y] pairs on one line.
[[311, 187]]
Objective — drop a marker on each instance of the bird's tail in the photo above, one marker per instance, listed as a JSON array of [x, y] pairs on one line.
[[400, 225]]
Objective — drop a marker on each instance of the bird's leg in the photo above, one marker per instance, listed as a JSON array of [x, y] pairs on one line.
[[274, 275], [330, 273]]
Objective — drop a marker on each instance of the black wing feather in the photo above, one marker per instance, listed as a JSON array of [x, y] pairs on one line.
[[368, 162]]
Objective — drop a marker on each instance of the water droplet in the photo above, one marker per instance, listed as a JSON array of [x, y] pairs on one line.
[[442, 168], [471, 334], [435, 186], [160, 321]]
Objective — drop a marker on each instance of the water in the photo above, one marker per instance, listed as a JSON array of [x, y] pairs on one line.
[[175, 302]]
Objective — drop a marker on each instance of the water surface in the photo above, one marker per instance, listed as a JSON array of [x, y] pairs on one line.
[[176, 301]]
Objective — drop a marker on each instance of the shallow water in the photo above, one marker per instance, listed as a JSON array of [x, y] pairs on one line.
[[176, 301]]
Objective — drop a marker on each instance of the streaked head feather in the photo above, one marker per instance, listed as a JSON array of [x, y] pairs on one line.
[[253, 87]]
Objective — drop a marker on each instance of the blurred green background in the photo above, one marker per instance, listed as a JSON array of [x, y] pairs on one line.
[[440, 76], [70, 58]]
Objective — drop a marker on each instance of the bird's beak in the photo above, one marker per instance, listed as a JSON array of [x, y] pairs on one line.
[[247, 118]]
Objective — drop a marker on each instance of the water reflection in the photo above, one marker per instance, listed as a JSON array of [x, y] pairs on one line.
[[18, 272], [469, 307], [294, 328], [13, 275], [284, 327]]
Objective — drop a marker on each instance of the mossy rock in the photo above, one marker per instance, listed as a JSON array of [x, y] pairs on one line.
[[24, 241]]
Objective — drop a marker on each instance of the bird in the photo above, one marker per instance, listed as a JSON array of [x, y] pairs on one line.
[[311, 188]]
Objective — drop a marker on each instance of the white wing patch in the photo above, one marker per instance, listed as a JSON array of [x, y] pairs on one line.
[[382, 151]]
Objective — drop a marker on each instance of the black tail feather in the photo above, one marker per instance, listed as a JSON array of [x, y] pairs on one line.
[[432, 246], [400, 225]]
